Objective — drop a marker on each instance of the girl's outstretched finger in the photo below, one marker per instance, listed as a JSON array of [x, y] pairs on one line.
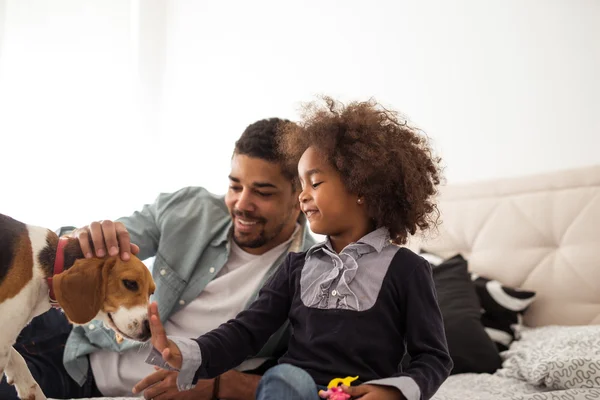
[[159, 337]]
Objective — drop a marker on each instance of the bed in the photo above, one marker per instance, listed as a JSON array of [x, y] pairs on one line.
[[535, 234]]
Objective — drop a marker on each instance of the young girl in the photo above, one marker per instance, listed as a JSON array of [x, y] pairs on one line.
[[358, 301]]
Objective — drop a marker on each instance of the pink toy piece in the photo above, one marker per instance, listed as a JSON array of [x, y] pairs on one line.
[[335, 393]]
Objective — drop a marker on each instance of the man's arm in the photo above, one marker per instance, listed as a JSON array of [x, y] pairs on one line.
[[140, 232], [142, 228], [136, 234], [235, 385]]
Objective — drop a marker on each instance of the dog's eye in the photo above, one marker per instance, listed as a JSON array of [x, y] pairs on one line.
[[130, 285]]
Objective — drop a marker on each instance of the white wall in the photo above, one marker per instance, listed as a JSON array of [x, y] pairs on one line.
[[70, 123], [2, 15], [104, 104], [503, 87]]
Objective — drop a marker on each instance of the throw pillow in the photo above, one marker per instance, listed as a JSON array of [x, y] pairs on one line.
[[471, 349], [502, 306]]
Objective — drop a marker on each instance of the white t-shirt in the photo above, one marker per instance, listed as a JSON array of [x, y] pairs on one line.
[[222, 299]]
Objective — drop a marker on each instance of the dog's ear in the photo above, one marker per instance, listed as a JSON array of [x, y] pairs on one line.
[[81, 290]]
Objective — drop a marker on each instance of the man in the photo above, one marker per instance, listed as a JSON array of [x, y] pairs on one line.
[[211, 256]]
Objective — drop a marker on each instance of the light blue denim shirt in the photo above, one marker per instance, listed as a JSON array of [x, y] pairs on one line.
[[187, 232]]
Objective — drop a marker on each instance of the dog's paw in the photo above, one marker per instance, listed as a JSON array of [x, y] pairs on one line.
[[31, 393], [9, 378]]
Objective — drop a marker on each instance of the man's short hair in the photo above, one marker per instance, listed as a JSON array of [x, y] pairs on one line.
[[261, 140]]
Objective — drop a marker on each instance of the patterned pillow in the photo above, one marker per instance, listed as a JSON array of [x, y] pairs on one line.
[[502, 309], [502, 306], [557, 357]]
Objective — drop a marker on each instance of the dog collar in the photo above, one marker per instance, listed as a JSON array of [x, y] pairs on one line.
[[59, 266]]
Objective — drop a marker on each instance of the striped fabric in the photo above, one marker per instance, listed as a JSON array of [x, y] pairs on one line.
[[502, 309]]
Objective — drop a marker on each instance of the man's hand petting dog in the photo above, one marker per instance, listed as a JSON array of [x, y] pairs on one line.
[[102, 235], [162, 385]]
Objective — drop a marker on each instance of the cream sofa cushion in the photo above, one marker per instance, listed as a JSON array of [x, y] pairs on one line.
[[539, 232]]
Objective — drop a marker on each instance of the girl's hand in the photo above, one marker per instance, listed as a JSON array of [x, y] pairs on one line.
[[169, 350], [374, 392]]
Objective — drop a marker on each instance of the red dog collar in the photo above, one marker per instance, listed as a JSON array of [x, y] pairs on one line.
[[59, 266]]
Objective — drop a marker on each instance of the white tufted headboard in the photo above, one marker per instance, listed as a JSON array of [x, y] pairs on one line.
[[537, 232]]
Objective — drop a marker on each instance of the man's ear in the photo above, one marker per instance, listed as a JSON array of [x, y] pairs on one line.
[[81, 290]]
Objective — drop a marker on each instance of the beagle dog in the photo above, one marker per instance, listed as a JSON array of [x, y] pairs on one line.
[[39, 270]]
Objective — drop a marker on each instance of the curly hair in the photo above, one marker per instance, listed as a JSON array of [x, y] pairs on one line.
[[260, 140], [378, 156]]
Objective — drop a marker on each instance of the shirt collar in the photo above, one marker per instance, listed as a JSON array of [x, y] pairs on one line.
[[225, 233], [377, 239]]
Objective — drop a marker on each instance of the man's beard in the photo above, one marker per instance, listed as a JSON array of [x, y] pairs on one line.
[[261, 239], [252, 243], [258, 241]]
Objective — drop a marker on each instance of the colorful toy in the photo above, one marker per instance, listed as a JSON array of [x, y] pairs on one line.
[[334, 391]]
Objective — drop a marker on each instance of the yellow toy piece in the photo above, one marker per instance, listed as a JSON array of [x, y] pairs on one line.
[[344, 381]]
